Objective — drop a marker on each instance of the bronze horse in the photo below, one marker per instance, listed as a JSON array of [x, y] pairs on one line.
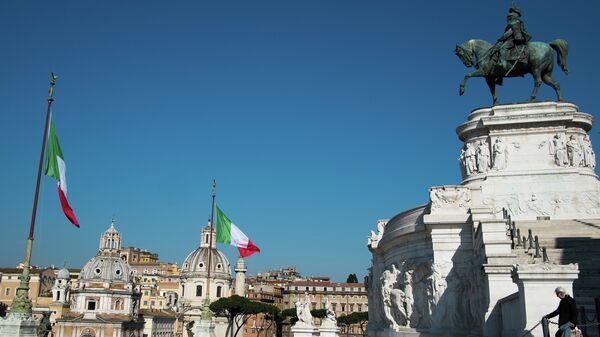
[[540, 61]]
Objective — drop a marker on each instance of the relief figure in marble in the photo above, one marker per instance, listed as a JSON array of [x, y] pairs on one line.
[[470, 159], [558, 148], [589, 156], [574, 151], [483, 157], [393, 299], [500, 155]]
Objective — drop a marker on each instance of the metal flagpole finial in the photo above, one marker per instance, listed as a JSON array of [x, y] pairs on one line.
[[51, 90]]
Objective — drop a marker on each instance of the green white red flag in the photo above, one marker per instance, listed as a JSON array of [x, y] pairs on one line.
[[56, 168], [229, 233]]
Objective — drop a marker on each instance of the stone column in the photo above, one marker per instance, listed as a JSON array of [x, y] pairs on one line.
[[240, 277], [536, 284]]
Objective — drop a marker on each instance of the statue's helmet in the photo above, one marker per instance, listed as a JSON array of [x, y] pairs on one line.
[[514, 10]]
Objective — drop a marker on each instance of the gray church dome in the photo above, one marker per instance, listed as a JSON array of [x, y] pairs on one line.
[[63, 274], [196, 263], [107, 265], [106, 268]]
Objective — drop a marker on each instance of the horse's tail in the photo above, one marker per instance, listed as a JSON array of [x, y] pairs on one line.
[[562, 49]]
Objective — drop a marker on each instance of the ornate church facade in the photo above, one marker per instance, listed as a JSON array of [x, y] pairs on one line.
[[103, 300]]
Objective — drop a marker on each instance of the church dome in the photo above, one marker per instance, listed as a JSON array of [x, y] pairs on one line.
[[63, 274], [106, 269], [196, 263], [107, 265]]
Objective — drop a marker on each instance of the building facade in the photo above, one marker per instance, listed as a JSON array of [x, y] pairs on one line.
[[103, 300]]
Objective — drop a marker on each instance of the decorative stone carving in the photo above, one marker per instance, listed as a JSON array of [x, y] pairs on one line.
[[574, 151], [305, 319], [449, 198], [483, 157], [375, 299], [553, 204], [470, 159], [393, 299], [500, 155], [374, 238], [589, 156], [329, 319], [558, 148]]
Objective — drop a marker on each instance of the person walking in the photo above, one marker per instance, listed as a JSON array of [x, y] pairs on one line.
[[566, 311]]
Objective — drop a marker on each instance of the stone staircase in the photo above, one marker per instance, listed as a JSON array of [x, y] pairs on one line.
[[569, 241]]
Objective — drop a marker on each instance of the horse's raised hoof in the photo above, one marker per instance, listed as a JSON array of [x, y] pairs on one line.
[[462, 90]]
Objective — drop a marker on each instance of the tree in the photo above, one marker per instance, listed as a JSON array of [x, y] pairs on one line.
[[360, 318], [3, 309], [239, 309], [352, 278]]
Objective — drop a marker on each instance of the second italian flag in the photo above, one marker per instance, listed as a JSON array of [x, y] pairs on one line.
[[228, 233], [56, 168]]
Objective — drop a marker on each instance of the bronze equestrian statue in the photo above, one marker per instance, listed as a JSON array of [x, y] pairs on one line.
[[513, 55]]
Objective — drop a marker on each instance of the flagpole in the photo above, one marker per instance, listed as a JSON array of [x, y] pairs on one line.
[[22, 303], [206, 314]]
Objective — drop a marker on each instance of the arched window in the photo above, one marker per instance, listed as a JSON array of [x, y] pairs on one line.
[[198, 290], [219, 291], [206, 239], [58, 295]]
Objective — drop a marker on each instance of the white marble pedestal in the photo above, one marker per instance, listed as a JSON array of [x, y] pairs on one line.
[[204, 328], [536, 291], [304, 331], [18, 325], [328, 329]]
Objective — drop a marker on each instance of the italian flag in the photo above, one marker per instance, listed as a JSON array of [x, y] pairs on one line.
[[228, 233], [55, 167]]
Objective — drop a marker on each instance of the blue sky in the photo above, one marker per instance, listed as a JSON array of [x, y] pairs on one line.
[[316, 118]]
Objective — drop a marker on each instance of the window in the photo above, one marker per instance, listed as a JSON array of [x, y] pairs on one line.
[[206, 239], [152, 303], [324, 288], [58, 295], [182, 290], [314, 288], [343, 307], [198, 290], [91, 305], [145, 303], [219, 291], [7, 292]]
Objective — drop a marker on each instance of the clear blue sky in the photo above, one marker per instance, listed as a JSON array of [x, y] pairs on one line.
[[316, 118]]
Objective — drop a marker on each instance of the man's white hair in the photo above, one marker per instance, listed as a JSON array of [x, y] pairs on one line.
[[560, 290]]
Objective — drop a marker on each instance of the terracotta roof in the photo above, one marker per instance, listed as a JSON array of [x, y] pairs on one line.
[[19, 271], [158, 313]]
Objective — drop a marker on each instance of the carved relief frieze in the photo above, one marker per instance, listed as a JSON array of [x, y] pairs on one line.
[[449, 198]]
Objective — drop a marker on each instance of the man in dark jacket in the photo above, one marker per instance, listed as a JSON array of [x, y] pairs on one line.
[[567, 313]]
